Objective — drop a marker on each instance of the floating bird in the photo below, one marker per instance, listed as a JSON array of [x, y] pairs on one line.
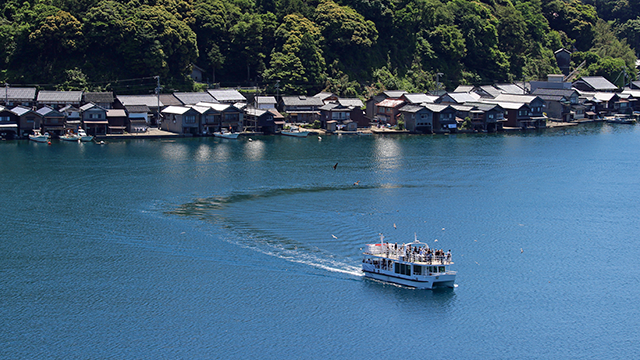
[[521, 251], [319, 138], [394, 226], [250, 139], [335, 166], [335, 237], [442, 229], [436, 240], [357, 182]]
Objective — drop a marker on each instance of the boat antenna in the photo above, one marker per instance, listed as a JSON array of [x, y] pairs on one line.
[[381, 239], [415, 237]]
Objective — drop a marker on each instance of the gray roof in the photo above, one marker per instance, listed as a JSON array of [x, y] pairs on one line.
[[328, 107], [525, 99], [394, 93], [99, 97], [189, 98], [169, 99], [137, 109], [489, 89], [597, 83], [510, 88], [461, 98], [116, 113], [46, 110], [149, 100], [302, 101], [90, 106], [418, 98], [555, 92], [47, 96], [21, 110], [436, 107], [464, 88], [18, 93], [265, 100], [350, 102], [323, 95], [227, 95], [411, 108]]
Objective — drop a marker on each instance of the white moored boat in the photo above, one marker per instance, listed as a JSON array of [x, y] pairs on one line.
[[83, 135], [70, 137], [413, 264], [38, 136], [226, 134], [295, 132]]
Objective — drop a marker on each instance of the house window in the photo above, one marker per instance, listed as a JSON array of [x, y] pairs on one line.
[[231, 117], [190, 119], [95, 116], [490, 116], [4, 118]]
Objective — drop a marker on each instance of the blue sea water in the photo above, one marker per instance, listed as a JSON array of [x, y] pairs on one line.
[[206, 248]]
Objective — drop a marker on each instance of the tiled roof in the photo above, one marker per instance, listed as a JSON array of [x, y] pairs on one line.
[[149, 100], [188, 98], [490, 90], [597, 83], [265, 100], [515, 98], [47, 96], [463, 88], [350, 102], [302, 101], [394, 93], [99, 97], [137, 109], [21, 110], [169, 99], [18, 93], [510, 89], [554, 92], [227, 95], [418, 98], [411, 108]]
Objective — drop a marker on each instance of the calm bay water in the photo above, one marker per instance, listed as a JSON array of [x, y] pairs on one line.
[[208, 248]]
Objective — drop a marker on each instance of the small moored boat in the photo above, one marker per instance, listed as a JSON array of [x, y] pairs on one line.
[[83, 135], [295, 132], [413, 265], [70, 137], [226, 134], [38, 136]]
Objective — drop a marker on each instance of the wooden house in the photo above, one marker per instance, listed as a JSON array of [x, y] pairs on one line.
[[117, 120], [27, 120], [371, 109], [53, 121], [181, 120], [302, 109], [94, 119], [9, 124], [417, 118]]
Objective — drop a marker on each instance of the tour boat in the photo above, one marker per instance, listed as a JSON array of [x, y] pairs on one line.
[[294, 131], [226, 134], [413, 264], [38, 136], [83, 135]]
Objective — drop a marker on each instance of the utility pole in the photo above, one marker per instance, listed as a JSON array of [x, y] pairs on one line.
[[158, 98], [277, 93]]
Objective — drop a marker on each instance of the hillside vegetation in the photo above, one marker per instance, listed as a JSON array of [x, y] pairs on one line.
[[349, 47]]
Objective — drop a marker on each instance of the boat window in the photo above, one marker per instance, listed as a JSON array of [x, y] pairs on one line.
[[403, 269], [441, 269], [398, 268], [417, 269]]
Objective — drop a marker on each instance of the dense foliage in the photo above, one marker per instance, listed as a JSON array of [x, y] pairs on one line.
[[349, 47]]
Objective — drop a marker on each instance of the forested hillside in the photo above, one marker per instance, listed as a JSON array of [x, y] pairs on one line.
[[349, 47]]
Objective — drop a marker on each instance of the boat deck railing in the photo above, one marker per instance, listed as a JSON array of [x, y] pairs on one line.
[[422, 258]]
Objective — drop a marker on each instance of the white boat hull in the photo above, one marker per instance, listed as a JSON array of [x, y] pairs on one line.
[[226, 135], [39, 138], [295, 133], [418, 282], [86, 138], [69, 138]]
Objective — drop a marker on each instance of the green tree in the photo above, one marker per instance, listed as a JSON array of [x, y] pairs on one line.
[[297, 57]]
